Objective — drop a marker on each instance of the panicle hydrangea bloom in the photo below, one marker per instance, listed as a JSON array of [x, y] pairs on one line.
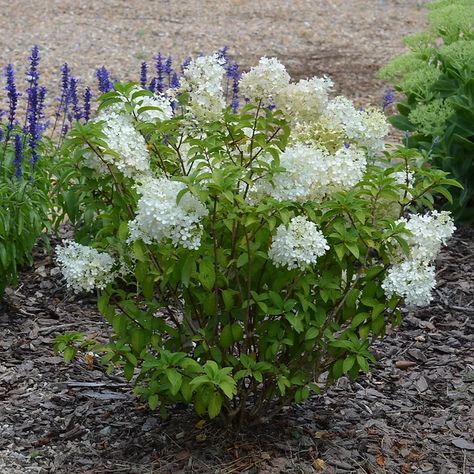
[[122, 138], [340, 171], [306, 100], [203, 79], [163, 112], [428, 234], [374, 129], [296, 182], [84, 268], [412, 280], [298, 245], [312, 173], [264, 81], [341, 113], [366, 128], [161, 217]]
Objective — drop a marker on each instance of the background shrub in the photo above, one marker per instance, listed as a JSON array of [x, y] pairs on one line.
[[437, 80]]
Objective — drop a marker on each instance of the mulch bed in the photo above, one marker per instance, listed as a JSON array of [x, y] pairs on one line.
[[57, 418]]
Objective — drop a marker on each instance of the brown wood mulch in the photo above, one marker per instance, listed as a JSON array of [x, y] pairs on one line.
[[413, 414]]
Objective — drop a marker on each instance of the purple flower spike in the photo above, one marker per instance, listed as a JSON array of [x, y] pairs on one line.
[[174, 83], [185, 64], [35, 105], [87, 104], [388, 98], [33, 72], [223, 54], [74, 99], [18, 156], [160, 69], [232, 72], [152, 86], [13, 96], [103, 76], [143, 74]]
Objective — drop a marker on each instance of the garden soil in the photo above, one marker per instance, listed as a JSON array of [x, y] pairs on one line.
[[347, 40], [413, 414]]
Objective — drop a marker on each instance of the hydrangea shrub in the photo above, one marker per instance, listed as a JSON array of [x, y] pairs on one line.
[[436, 78], [245, 256]]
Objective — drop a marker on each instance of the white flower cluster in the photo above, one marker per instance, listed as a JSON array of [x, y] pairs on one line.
[[123, 139], [298, 245], [366, 127], [414, 278], [312, 173], [163, 111], [428, 234], [84, 268], [203, 79], [264, 82], [306, 100], [160, 216]]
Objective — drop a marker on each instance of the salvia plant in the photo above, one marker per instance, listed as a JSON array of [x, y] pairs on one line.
[[246, 254], [24, 178], [437, 80], [32, 129]]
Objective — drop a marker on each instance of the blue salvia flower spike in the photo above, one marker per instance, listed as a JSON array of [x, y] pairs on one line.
[[13, 96], [103, 76], [388, 98], [33, 111], [18, 160], [185, 64], [174, 83], [143, 74], [152, 86], [168, 69], [160, 86], [87, 104], [74, 99]]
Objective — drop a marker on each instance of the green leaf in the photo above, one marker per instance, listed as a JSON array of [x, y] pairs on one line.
[[153, 401], [363, 364], [226, 337], [207, 275], [348, 363], [188, 268], [69, 353], [228, 388], [215, 404], [237, 332], [311, 333], [175, 378]]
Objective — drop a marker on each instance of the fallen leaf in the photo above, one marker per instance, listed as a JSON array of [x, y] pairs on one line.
[[319, 464], [463, 444], [89, 359], [200, 424], [201, 437], [404, 364], [380, 460]]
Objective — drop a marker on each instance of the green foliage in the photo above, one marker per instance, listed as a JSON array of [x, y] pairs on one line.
[[24, 210], [221, 327], [437, 79]]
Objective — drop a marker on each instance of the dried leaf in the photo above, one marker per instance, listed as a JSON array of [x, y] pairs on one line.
[[404, 364], [319, 464], [380, 460]]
